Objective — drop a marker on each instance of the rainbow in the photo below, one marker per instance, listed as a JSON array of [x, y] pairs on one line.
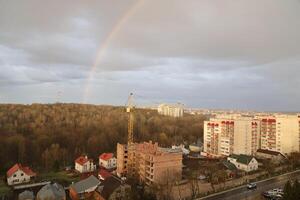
[[102, 50]]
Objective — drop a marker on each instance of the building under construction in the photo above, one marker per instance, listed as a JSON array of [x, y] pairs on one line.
[[151, 163], [147, 161]]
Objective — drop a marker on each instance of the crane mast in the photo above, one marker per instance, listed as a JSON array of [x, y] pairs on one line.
[[130, 145], [130, 119]]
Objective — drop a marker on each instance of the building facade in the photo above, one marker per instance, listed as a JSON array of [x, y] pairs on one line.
[[107, 161], [19, 174], [172, 110], [83, 164], [152, 164], [223, 137], [228, 135], [243, 162], [280, 133]]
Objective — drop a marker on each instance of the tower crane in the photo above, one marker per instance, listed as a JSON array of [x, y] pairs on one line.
[[130, 144]]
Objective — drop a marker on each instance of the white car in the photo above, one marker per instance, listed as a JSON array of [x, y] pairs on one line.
[[251, 186]]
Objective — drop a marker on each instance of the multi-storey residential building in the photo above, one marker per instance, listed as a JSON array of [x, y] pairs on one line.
[[152, 164], [173, 110], [228, 135], [223, 137], [280, 133]]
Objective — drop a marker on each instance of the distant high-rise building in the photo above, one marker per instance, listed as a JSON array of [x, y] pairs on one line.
[[173, 110]]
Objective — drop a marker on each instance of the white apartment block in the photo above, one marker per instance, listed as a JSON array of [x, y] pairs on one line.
[[228, 135], [223, 137], [280, 133], [173, 110]]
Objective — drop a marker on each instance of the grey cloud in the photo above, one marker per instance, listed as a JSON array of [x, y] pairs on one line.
[[209, 53]]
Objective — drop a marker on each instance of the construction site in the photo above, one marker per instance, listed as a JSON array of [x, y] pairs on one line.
[[147, 161]]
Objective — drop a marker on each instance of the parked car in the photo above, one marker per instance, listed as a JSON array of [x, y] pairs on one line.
[[274, 194], [251, 186], [278, 190]]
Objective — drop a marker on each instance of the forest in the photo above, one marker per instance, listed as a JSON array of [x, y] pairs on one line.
[[50, 136]]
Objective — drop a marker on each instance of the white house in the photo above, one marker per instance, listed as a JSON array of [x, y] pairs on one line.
[[243, 162], [19, 174], [83, 164], [107, 161]]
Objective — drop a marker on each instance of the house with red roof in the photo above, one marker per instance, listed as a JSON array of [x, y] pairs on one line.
[[83, 164], [19, 174], [107, 161]]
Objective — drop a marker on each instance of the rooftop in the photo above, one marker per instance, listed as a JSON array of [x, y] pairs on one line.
[[274, 153], [106, 156], [244, 159], [17, 167], [82, 186], [82, 160]]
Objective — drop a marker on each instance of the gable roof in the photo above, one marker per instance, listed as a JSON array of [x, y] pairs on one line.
[[82, 186], [242, 158], [82, 160], [229, 165], [265, 151], [17, 167], [106, 156]]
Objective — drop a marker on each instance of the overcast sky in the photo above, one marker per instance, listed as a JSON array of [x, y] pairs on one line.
[[241, 54]]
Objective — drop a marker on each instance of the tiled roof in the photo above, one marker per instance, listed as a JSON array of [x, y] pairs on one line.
[[17, 167], [106, 156], [81, 160]]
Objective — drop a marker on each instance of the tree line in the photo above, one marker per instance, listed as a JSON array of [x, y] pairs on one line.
[[292, 190], [50, 136]]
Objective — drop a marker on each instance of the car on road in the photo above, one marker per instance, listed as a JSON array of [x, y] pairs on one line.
[[278, 190], [252, 186], [274, 194]]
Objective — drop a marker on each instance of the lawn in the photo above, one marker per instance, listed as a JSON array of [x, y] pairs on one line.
[[4, 189], [64, 178]]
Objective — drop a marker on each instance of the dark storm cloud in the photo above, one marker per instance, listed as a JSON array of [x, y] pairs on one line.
[[209, 53]]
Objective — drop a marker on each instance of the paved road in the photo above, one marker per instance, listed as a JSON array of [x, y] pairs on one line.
[[242, 193]]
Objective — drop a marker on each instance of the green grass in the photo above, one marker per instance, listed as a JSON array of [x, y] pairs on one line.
[[4, 189], [63, 178]]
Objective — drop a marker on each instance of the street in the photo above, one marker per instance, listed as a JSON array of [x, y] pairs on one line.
[[242, 192]]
